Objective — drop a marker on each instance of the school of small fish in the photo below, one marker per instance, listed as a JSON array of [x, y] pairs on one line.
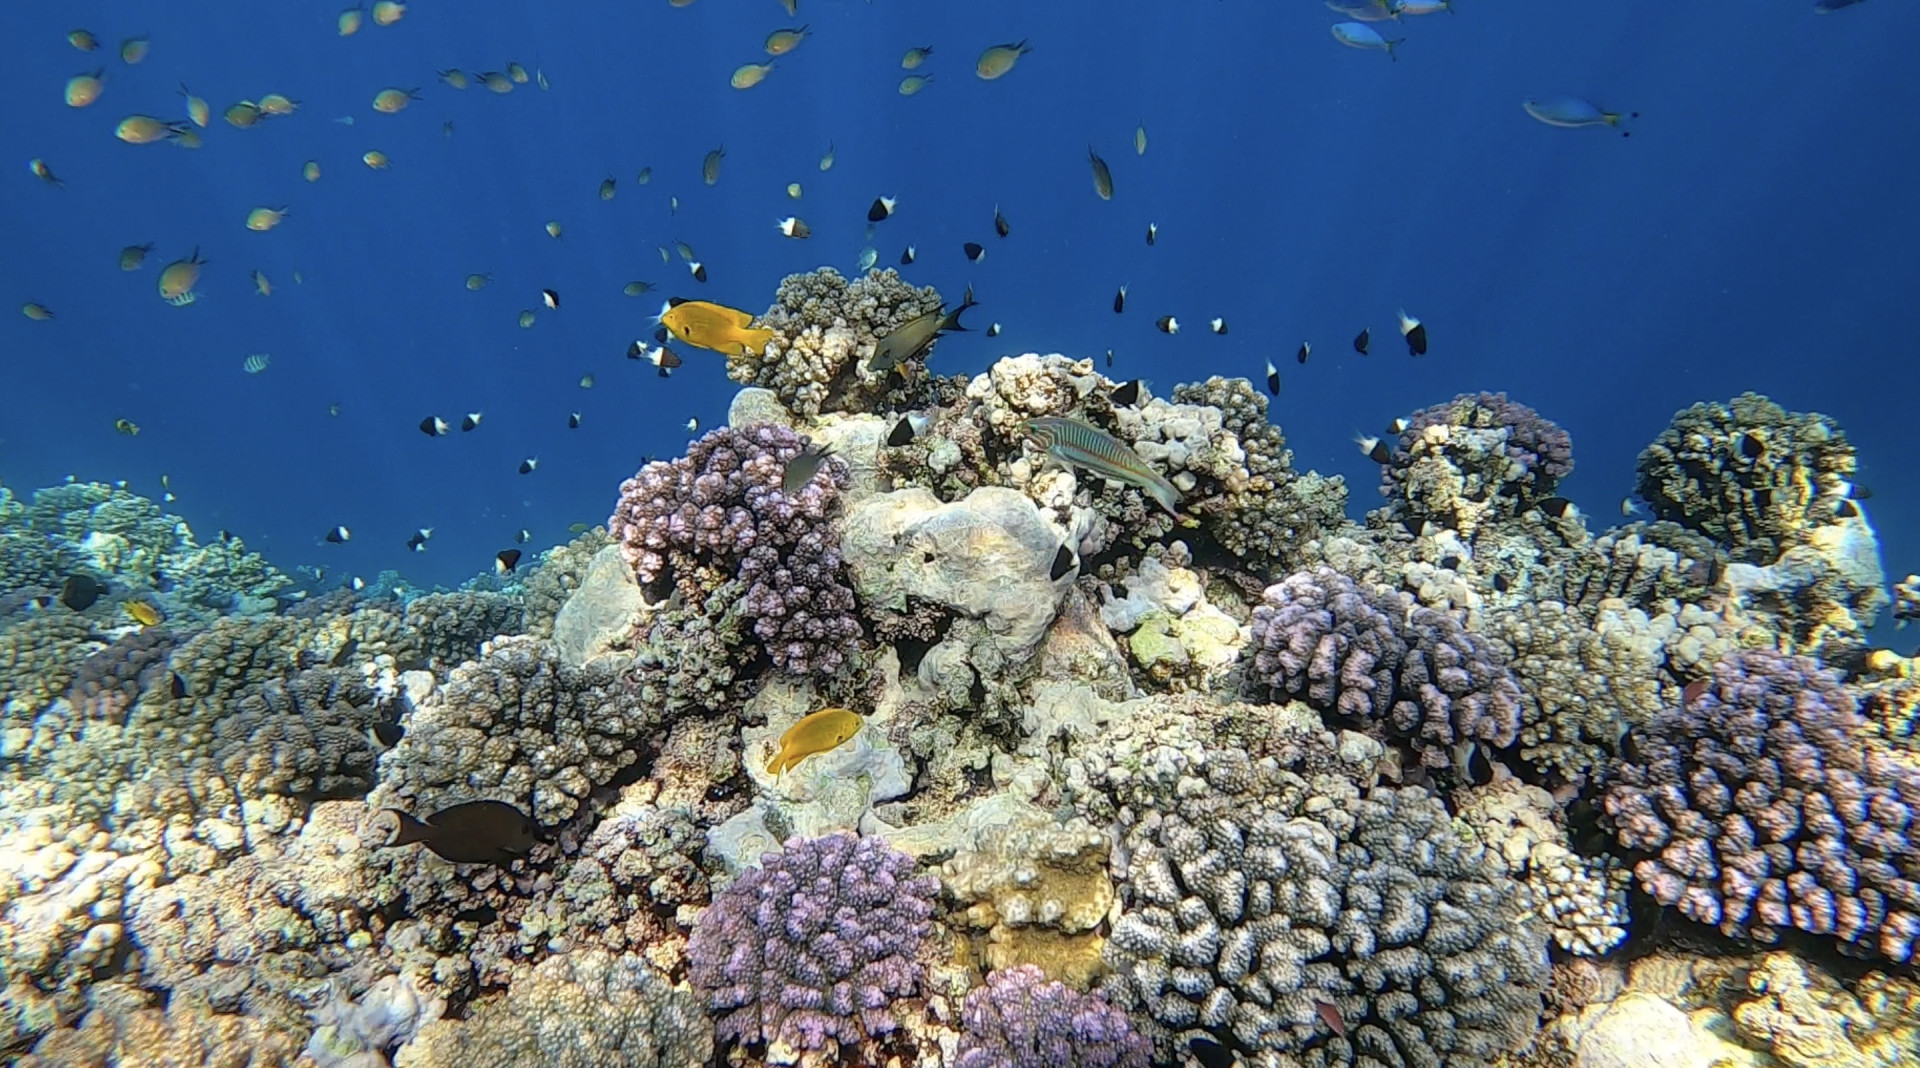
[[1383, 26]]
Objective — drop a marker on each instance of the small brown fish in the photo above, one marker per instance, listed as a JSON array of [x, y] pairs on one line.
[[475, 832], [1691, 693], [710, 166]]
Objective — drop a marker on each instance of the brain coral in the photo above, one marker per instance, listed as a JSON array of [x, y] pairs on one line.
[[811, 948], [1262, 898], [1764, 805], [1321, 637], [1475, 459], [720, 513], [1748, 474], [1021, 1020]]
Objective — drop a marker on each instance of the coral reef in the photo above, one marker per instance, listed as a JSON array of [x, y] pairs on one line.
[[1763, 805], [1474, 461], [811, 950], [580, 1010], [720, 513], [1021, 1020], [1415, 673], [1115, 780], [1748, 474]]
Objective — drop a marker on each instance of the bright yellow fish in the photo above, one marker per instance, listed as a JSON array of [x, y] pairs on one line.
[[819, 732], [143, 613], [717, 327]]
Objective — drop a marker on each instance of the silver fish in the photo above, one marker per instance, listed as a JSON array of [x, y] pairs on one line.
[[1076, 444], [912, 338], [802, 468]]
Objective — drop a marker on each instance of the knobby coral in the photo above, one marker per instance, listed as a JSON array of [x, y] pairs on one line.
[[1764, 805], [1414, 672], [1021, 1020], [811, 948], [722, 512]]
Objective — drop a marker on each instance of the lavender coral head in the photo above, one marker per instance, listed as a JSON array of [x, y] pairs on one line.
[[725, 496], [812, 947], [1763, 805], [1414, 673], [722, 513], [1020, 1020]]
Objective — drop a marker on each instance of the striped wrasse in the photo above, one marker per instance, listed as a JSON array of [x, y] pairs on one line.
[[1076, 444]]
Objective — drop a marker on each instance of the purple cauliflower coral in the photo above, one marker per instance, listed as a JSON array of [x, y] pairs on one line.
[[721, 513], [1320, 637], [1021, 1020], [1762, 805], [812, 947]]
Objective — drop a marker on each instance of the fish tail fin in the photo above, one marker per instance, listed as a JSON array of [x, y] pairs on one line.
[[758, 339], [409, 830], [952, 321]]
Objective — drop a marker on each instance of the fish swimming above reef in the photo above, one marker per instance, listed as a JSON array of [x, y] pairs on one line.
[[475, 832], [1077, 444], [715, 326], [911, 339], [818, 732]]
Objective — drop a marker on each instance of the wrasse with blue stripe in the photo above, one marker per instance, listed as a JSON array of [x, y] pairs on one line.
[[1076, 444]]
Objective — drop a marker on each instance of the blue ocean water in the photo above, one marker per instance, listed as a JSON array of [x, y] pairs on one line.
[[1755, 232]]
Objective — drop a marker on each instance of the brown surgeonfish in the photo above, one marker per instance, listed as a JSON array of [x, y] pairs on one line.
[[474, 832]]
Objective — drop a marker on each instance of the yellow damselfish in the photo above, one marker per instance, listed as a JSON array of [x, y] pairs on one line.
[[716, 327], [819, 732], [143, 613]]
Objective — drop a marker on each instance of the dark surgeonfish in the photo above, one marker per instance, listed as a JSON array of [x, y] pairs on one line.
[[81, 590], [474, 832], [912, 338]]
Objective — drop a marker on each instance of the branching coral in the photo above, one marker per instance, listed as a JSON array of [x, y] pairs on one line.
[[1264, 891], [1267, 517], [519, 726], [721, 513], [811, 949], [1764, 805], [1748, 474], [1585, 683]]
